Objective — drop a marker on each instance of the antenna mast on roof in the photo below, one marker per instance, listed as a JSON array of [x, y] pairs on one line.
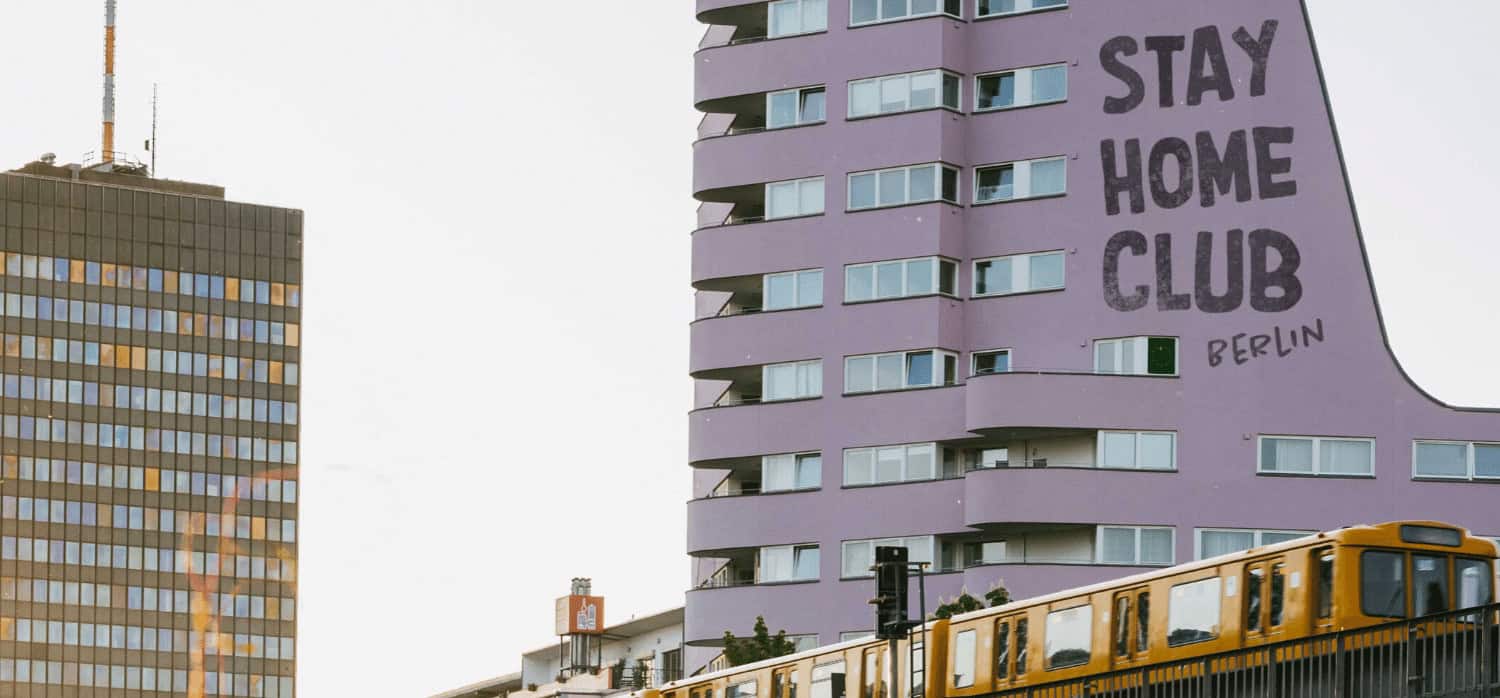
[[107, 154], [151, 145]]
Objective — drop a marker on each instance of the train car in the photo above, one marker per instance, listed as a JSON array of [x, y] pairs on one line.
[[1347, 579], [856, 667], [1340, 580]]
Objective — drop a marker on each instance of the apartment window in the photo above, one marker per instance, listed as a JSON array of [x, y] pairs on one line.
[[1136, 545], [987, 362], [796, 107], [992, 8], [787, 472], [903, 185], [793, 289], [859, 555], [802, 197], [1021, 88], [872, 11], [1025, 179], [888, 464], [890, 94], [1320, 455], [788, 563], [789, 17], [1021, 273], [1138, 450], [900, 370], [900, 278], [1213, 542], [1458, 460], [792, 381], [1136, 356]]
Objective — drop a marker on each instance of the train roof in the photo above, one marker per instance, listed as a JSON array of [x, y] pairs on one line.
[[1355, 534]]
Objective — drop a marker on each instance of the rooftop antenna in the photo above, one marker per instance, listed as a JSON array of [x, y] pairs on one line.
[[108, 152], [151, 144]]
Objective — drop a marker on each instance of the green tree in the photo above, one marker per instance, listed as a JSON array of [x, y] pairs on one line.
[[998, 596], [760, 645], [963, 603]]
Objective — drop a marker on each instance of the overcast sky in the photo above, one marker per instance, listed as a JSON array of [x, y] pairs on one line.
[[497, 299]]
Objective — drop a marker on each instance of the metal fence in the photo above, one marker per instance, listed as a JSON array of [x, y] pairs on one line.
[[1449, 654]]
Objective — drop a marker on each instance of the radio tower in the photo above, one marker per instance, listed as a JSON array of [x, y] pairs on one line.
[[107, 154]]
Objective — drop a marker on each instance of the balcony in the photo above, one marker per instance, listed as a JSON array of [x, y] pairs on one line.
[[1021, 404], [727, 523]]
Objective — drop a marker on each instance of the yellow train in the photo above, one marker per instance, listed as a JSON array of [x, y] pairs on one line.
[[1339, 580]]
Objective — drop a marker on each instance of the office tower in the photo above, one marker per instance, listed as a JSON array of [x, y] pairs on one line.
[[151, 379], [1047, 291]]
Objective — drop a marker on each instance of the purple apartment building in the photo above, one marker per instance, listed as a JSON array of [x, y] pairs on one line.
[[1048, 291]]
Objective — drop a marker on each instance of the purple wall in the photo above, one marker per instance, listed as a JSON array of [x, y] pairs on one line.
[[1348, 385]]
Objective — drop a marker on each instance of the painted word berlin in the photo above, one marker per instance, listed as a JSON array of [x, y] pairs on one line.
[[1174, 169]]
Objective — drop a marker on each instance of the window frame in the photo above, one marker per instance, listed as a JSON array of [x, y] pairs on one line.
[[1144, 355], [1027, 257], [771, 13], [1470, 460], [766, 197], [906, 449], [800, 93], [1136, 434], [1016, 103], [796, 276], [937, 277], [797, 464], [943, 75], [901, 541], [939, 365], [1257, 537], [942, 11], [939, 167], [1317, 456], [990, 15], [765, 382], [1138, 561], [796, 549], [1015, 184], [1010, 361]]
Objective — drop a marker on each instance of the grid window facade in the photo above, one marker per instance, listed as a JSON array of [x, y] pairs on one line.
[[149, 418]]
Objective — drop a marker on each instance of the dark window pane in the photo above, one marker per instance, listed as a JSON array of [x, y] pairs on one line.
[[1143, 623], [1002, 651], [1254, 581], [947, 277], [1325, 583], [1161, 356], [1021, 646], [1382, 584], [1122, 626], [1278, 593], [950, 185], [1429, 576]]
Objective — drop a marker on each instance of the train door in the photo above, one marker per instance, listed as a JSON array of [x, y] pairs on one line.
[[1011, 639], [1320, 597], [1264, 604], [1130, 623]]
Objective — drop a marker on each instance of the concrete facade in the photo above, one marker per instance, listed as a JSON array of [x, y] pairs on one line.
[[1228, 388]]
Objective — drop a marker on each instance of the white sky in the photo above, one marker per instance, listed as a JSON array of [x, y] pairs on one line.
[[497, 249]]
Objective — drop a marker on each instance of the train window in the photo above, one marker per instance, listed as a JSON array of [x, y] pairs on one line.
[[1122, 626], [873, 686], [1143, 622], [1021, 646], [1278, 593], [963, 664], [784, 683], [745, 689], [1382, 584], [1069, 637], [1193, 612], [1474, 582], [1253, 584], [1325, 582], [918, 671], [1002, 651], [1429, 583], [828, 680]]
